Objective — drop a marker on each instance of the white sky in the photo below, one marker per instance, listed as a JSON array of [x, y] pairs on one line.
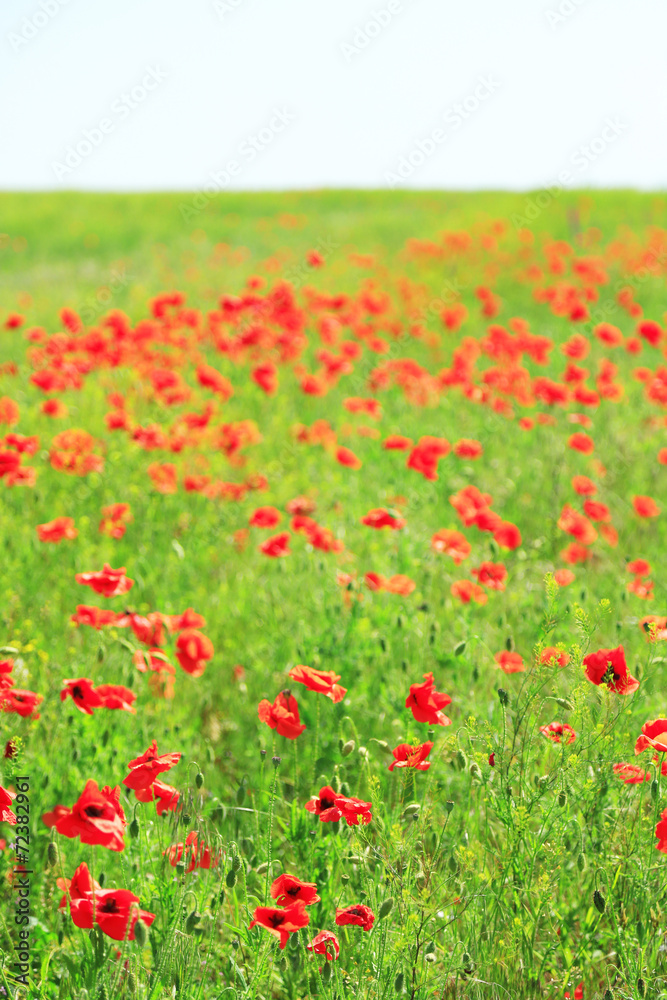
[[356, 101]]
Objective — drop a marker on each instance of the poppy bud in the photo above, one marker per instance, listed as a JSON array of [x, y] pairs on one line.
[[431, 735], [240, 795], [460, 649], [430, 958], [363, 752], [345, 878], [503, 696], [192, 920], [236, 862], [430, 948], [412, 809], [449, 805], [598, 901], [460, 760], [102, 878], [399, 621], [326, 972], [133, 828], [398, 983], [383, 644], [641, 987], [475, 771], [131, 982], [345, 789], [199, 779], [452, 863], [640, 932], [404, 666], [140, 933], [347, 748], [276, 761], [52, 854], [564, 703], [581, 861], [654, 789], [562, 798], [230, 878], [386, 908], [221, 897], [262, 754], [607, 995]]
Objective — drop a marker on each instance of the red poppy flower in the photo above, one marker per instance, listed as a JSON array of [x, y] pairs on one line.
[[281, 923], [145, 769], [406, 755], [325, 943], [83, 694], [24, 703], [165, 796], [300, 505], [581, 442], [287, 889], [276, 546], [380, 518], [654, 734], [57, 530], [507, 535], [51, 818], [283, 715], [584, 486], [645, 506], [344, 456], [98, 618], [608, 666], [558, 732], [577, 525], [395, 442], [324, 805], [631, 774], [96, 817], [467, 448], [116, 696], [6, 799], [578, 993], [564, 577], [491, 575], [426, 703], [78, 891], [509, 663], [265, 517], [108, 582], [321, 681], [375, 581], [426, 454], [552, 655], [451, 543], [354, 810], [117, 912], [193, 853], [400, 584], [359, 915], [467, 591], [661, 832], [115, 519], [193, 650], [640, 567]]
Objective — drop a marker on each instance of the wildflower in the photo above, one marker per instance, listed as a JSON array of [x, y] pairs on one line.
[[193, 650], [57, 530], [406, 755], [283, 715], [359, 915], [322, 681], [558, 732], [288, 888], [145, 769], [283, 922], [608, 666], [510, 663], [325, 943], [426, 703], [96, 817]]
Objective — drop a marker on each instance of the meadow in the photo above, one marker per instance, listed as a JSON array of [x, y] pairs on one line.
[[332, 604]]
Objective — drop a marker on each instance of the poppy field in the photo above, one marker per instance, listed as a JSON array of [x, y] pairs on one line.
[[332, 604]]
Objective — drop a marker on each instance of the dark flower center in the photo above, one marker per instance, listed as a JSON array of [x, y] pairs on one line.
[[94, 811]]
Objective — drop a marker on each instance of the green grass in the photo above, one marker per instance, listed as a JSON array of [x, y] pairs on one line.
[[493, 876]]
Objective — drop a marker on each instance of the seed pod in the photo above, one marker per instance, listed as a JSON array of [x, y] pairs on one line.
[[460, 648], [52, 854], [398, 983], [199, 779], [449, 805], [386, 908], [230, 879], [503, 696], [140, 933], [599, 901], [347, 748]]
